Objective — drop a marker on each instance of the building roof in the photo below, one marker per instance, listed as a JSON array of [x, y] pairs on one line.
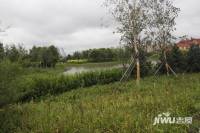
[[188, 43]]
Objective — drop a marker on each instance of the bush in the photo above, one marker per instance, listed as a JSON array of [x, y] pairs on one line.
[[177, 60], [193, 59], [35, 86]]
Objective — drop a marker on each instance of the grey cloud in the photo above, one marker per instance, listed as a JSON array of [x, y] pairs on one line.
[[189, 18], [75, 24], [62, 22], [53, 17]]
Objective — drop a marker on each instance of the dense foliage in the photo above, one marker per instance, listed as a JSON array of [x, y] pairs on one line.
[[44, 56], [177, 60], [182, 61], [193, 59], [37, 56]]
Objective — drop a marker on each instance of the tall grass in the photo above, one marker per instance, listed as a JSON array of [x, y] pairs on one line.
[[8, 73], [113, 108], [37, 85]]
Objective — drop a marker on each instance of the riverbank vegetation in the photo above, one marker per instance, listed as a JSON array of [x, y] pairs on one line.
[[19, 82], [38, 85]]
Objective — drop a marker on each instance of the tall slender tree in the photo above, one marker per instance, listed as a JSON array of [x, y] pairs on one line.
[[164, 14], [132, 20]]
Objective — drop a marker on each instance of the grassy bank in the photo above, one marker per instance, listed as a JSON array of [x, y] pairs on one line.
[[17, 82], [39, 85], [113, 108]]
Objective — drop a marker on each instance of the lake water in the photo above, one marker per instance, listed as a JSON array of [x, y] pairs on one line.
[[80, 69], [74, 70]]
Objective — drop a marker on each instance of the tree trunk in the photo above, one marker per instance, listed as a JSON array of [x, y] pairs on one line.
[[137, 61], [166, 63], [167, 68], [138, 70]]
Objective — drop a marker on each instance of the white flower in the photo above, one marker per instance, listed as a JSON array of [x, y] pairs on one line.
[[167, 114]]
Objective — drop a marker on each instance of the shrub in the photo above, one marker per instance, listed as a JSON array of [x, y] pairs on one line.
[[177, 60], [193, 59]]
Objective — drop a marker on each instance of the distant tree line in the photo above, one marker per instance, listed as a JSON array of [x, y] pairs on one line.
[[36, 57], [44, 57], [48, 56], [100, 55]]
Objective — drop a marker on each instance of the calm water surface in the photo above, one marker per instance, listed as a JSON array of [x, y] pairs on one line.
[[74, 70]]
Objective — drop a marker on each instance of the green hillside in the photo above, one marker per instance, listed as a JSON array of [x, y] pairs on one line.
[[113, 108]]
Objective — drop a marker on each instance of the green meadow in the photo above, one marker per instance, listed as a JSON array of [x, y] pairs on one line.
[[113, 108]]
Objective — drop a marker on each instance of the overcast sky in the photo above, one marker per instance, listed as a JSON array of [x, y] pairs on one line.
[[75, 24]]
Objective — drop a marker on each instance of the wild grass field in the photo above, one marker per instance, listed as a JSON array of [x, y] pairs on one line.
[[113, 108]]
